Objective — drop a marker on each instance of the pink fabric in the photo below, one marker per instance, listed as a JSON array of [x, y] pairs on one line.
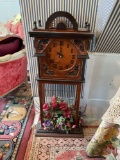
[[8, 25], [17, 29], [12, 74], [3, 102]]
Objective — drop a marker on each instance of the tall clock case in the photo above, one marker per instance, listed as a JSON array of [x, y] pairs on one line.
[[61, 52]]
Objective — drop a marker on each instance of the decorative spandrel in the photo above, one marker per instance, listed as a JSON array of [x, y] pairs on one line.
[[82, 45], [40, 44]]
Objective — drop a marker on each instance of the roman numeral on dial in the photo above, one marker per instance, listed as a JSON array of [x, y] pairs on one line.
[[61, 67], [51, 60], [67, 65], [54, 65], [71, 50], [68, 45], [61, 43], [73, 56], [72, 61]]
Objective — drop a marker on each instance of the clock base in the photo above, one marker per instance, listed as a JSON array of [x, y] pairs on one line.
[[76, 133]]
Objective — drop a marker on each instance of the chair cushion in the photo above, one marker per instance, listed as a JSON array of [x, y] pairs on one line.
[[10, 45]]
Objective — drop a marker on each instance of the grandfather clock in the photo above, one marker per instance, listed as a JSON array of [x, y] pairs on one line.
[[61, 49]]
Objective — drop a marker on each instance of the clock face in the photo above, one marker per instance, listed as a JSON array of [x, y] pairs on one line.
[[61, 54]]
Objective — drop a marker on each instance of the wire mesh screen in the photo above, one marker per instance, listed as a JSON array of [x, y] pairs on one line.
[[61, 19], [105, 8], [65, 92], [108, 40]]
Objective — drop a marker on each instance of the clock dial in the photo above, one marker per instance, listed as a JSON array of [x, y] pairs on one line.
[[61, 54]]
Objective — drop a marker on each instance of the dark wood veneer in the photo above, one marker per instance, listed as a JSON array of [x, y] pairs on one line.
[[60, 34]]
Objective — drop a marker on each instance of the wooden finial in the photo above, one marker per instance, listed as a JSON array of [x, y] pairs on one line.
[[39, 22], [35, 25], [86, 23], [88, 26]]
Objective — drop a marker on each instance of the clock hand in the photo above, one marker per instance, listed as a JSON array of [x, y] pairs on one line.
[[65, 60], [60, 49], [60, 54]]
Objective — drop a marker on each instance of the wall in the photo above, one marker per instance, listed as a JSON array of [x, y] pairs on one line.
[[8, 9]]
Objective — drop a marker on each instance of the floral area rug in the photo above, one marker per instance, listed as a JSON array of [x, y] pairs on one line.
[[48, 148], [16, 118]]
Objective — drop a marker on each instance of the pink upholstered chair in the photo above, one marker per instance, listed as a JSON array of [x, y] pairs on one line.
[[13, 69]]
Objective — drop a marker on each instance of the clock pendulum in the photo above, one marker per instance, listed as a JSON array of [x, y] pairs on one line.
[[61, 52]]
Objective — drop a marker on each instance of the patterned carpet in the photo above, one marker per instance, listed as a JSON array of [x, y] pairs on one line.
[[16, 117], [47, 148]]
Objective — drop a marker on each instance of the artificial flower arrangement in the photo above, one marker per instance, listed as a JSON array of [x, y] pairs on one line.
[[58, 115]]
